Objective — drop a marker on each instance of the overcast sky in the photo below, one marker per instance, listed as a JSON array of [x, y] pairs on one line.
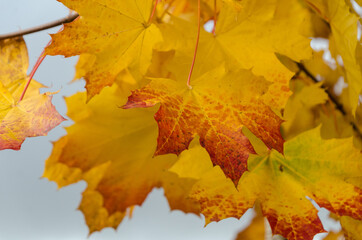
[[33, 208]]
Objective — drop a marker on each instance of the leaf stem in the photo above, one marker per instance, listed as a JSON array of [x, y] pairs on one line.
[[69, 18], [214, 27], [36, 66], [33, 71], [153, 12], [197, 43]]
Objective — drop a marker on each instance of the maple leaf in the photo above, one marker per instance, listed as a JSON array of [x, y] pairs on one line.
[[216, 108], [34, 115], [114, 160], [247, 39], [310, 167], [255, 48], [217, 195], [117, 33]]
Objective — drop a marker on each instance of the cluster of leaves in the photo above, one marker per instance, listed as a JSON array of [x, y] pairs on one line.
[[249, 124]]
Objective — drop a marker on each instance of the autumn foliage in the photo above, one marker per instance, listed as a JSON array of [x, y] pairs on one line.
[[245, 114]]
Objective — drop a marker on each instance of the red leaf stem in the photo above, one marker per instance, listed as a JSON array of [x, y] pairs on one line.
[[197, 43]]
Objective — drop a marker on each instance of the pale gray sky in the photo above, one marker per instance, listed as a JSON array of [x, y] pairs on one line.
[[33, 208]]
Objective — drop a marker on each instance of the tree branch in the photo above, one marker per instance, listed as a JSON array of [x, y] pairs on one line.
[[338, 105], [69, 18]]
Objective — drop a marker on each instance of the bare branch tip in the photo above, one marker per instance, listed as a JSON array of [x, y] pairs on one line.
[[72, 16]]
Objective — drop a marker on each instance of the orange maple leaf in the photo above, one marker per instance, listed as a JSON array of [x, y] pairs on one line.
[[216, 109]]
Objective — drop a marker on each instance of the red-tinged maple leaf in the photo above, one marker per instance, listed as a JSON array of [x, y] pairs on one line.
[[111, 149], [34, 115], [216, 109], [325, 170]]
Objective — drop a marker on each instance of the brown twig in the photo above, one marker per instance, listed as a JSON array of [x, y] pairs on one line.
[[69, 18], [338, 105], [333, 99]]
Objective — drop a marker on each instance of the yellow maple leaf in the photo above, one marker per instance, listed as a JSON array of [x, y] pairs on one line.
[[118, 33], [34, 115], [114, 160], [253, 36], [245, 39]]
